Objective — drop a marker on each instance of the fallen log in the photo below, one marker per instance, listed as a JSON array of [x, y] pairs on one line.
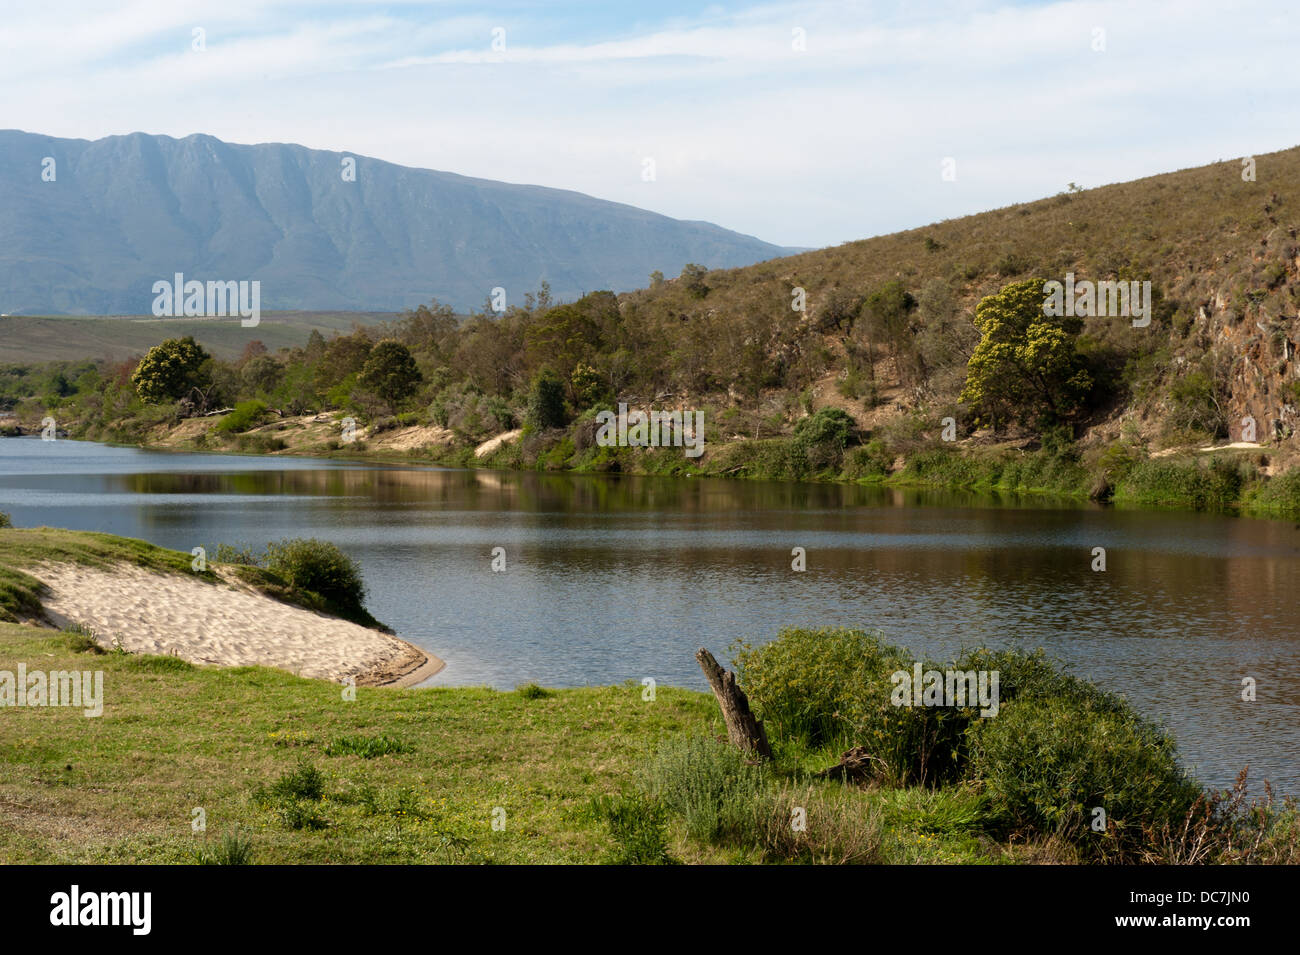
[[744, 729], [856, 765]]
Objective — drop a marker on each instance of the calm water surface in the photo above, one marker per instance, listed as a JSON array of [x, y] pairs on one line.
[[613, 578]]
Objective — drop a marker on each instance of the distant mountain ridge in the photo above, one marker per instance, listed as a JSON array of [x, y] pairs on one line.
[[125, 211]]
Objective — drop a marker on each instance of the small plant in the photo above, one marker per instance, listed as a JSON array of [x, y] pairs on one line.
[[81, 639], [247, 414], [5, 520], [531, 691], [231, 850], [305, 782], [367, 747], [237, 554], [294, 815], [639, 825]]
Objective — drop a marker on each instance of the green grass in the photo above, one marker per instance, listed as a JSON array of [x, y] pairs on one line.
[[122, 787]]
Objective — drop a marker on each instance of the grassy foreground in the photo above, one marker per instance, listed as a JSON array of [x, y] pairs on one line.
[[123, 787], [173, 738]]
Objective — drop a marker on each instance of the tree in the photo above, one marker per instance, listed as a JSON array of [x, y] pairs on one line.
[[838, 311], [693, 279], [546, 402], [886, 315], [170, 370], [390, 372], [1026, 367], [261, 375]]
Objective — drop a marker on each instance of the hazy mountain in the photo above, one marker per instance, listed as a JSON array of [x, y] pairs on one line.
[[126, 211]]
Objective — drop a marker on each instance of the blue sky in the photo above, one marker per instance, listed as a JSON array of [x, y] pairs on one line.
[[836, 141]]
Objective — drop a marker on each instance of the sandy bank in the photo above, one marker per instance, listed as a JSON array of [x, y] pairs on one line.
[[225, 625]]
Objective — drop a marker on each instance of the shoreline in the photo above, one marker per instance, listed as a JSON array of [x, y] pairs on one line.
[[223, 623]]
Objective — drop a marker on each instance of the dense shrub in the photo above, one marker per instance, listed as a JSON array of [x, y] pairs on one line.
[[1187, 483], [320, 567], [820, 438], [1057, 747], [833, 688], [247, 414], [1279, 493], [1048, 763], [546, 402], [5, 520]]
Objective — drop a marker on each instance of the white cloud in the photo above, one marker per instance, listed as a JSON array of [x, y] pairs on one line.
[[810, 148]]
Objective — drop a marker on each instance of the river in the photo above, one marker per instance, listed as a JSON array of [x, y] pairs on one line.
[[611, 578]]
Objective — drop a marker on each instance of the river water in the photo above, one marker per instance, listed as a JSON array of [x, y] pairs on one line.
[[611, 578]]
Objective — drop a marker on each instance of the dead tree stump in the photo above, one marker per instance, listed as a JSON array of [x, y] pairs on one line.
[[744, 729]]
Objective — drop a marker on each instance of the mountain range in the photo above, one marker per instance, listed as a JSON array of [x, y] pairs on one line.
[[87, 227]]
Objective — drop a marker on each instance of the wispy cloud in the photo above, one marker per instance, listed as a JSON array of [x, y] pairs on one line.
[[807, 123]]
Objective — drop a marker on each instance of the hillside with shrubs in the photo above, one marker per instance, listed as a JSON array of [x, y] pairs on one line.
[[921, 357]]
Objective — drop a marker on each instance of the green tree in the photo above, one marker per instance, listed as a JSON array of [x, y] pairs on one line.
[[1026, 367], [546, 402], [390, 372], [169, 370]]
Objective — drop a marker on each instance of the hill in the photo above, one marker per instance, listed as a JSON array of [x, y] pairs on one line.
[[42, 338], [866, 362], [125, 211]]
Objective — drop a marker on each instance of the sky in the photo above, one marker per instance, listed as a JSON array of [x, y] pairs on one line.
[[804, 124]]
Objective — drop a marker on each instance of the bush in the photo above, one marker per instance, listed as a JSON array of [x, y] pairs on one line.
[[820, 438], [832, 688], [710, 783], [241, 554], [247, 414], [5, 520], [531, 691], [259, 443], [320, 567], [1186, 483], [870, 462], [1047, 762], [1279, 493]]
